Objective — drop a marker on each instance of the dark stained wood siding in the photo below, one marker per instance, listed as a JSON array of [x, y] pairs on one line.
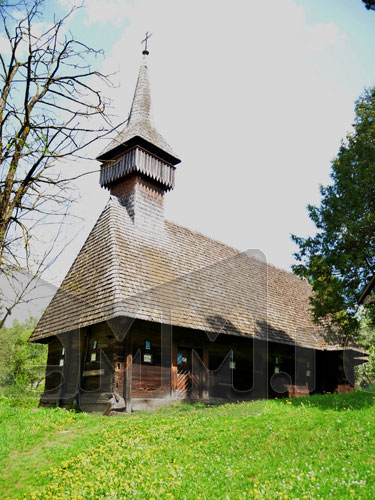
[[54, 373], [150, 380], [108, 360], [98, 374]]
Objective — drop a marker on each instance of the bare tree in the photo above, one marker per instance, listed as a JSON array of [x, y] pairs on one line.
[[49, 103]]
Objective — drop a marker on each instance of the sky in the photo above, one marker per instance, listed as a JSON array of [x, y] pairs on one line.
[[254, 96]]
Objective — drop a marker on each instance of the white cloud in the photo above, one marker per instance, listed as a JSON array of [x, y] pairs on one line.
[[247, 93], [321, 36], [4, 45], [107, 12]]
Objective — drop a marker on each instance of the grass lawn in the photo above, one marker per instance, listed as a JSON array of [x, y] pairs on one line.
[[317, 447]]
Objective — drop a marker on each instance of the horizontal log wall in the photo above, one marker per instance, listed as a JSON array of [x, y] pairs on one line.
[[150, 379]]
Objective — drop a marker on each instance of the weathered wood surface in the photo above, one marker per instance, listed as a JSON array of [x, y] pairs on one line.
[[341, 388], [149, 381], [128, 371], [296, 391], [225, 368], [137, 160]]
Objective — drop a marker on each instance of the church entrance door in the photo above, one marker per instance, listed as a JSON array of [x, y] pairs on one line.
[[189, 372]]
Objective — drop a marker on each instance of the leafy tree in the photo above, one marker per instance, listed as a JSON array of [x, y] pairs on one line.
[[365, 373], [22, 364], [339, 260], [51, 109], [369, 4]]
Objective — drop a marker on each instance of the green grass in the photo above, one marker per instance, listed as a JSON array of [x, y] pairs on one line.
[[306, 448]]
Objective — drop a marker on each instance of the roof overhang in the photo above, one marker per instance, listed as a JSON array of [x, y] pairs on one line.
[[138, 141]]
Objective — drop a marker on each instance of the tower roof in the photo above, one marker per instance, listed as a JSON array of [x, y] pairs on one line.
[[140, 128]]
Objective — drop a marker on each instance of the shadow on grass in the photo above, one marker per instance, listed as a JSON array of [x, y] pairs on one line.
[[356, 400]]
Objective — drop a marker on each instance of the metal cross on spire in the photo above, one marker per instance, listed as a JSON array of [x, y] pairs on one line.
[[145, 51]]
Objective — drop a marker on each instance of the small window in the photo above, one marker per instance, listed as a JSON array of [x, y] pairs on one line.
[[181, 359], [63, 351], [93, 356], [277, 361], [147, 358], [61, 363], [95, 344], [232, 364], [147, 345]]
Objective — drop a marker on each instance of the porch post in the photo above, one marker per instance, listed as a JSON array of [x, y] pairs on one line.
[[129, 372], [205, 384]]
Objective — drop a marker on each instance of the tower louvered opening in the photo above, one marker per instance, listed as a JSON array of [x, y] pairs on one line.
[[137, 160]]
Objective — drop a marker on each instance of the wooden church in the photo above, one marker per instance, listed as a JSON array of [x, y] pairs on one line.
[[151, 311]]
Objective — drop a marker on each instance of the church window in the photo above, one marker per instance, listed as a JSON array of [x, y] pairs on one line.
[[62, 357], [147, 358], [232, 363]]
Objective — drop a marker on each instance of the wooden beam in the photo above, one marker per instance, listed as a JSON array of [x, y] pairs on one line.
[[128, 372], [166, 358], [206, 382], [174, 369]]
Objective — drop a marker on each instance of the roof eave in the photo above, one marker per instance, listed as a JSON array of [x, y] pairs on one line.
[[138, 141]]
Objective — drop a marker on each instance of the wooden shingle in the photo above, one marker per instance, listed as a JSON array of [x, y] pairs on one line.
[[179, 277]]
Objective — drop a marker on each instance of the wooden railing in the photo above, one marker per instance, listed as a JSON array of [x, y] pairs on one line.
[[184, 384]]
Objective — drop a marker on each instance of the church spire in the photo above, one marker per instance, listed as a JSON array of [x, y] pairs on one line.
[[139, 156], [139, 129], [141, 105]]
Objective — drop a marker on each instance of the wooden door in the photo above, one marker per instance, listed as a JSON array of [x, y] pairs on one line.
[[190, 373], [184, 380]]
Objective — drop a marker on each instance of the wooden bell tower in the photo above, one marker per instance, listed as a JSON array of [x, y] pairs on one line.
[[139, 165]]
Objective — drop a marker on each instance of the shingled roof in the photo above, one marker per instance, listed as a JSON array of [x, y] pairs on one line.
[[179, 277]]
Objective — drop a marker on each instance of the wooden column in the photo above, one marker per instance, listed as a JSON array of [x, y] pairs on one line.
[[166, 358], [174, 370], [260, 360], [78, 346], [206, 381], [65, 340], [128, 371], [119, 375]]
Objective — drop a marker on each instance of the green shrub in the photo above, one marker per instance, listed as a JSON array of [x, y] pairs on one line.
[[22, 364]]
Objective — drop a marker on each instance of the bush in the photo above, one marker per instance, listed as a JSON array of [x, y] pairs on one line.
[[22, 364]]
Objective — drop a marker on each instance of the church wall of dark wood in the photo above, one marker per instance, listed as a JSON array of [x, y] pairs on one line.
[[227, 367], [80, 368], [97, 377], [149, 361], [151, 370], [54, 372], [74, 343]]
